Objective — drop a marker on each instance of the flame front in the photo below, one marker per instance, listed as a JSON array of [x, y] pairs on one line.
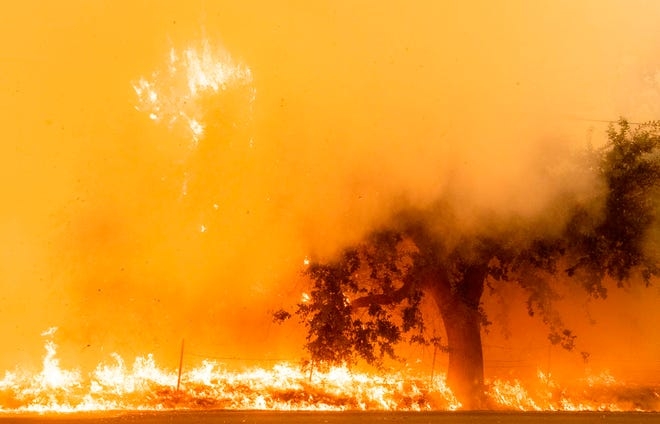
[[144, 385]]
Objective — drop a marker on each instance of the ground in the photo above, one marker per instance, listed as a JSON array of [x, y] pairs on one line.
[[257, 417]]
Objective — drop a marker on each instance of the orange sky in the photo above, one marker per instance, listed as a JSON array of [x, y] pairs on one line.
[[358, 105]]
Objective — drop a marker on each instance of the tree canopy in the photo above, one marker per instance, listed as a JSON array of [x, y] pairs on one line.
[[367, 300]]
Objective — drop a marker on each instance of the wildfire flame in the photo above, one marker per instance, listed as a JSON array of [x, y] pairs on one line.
[[143, 385]]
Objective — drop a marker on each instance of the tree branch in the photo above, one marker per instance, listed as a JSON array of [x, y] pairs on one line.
[[396, 296]]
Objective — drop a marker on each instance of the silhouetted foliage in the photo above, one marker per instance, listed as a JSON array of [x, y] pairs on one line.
[[616, 246], [368, 299], [337, 333]]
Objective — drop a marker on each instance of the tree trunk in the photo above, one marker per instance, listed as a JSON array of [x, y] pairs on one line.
[[465, 374], [459, 307]]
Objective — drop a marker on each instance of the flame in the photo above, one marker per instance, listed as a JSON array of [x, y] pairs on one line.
[[599, 392], [172, 94], [143, 385]]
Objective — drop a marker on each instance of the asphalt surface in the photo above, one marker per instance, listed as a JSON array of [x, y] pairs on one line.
[[267, 417]]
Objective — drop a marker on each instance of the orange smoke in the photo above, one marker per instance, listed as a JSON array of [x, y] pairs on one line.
[[130, 231]]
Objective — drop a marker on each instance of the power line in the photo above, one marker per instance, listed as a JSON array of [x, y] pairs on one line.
[[606, 121]]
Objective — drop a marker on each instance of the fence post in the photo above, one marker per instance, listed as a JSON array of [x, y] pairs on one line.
[[178, 381]]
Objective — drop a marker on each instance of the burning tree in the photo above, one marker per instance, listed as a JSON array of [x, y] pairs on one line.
[[367, 299]]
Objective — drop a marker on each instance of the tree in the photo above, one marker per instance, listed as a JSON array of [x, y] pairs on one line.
[[367, 300]]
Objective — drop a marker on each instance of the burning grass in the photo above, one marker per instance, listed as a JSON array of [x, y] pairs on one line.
[[287, 387]]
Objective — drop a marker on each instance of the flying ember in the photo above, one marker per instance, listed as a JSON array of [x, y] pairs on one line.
[[173, 94]]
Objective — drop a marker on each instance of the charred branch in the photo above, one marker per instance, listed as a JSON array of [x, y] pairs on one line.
[[395, 297]]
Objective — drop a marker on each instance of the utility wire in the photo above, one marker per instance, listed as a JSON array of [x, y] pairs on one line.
[[606, 121]]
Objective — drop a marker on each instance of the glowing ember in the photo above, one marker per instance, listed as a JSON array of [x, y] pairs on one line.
[[172, 95]]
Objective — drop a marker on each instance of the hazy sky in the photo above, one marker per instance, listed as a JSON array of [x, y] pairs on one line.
[[129, 236]]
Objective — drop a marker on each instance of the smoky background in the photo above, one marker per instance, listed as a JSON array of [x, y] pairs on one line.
[[357, 109]]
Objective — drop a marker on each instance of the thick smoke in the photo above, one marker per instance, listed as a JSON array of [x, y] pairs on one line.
[[129, 237]]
